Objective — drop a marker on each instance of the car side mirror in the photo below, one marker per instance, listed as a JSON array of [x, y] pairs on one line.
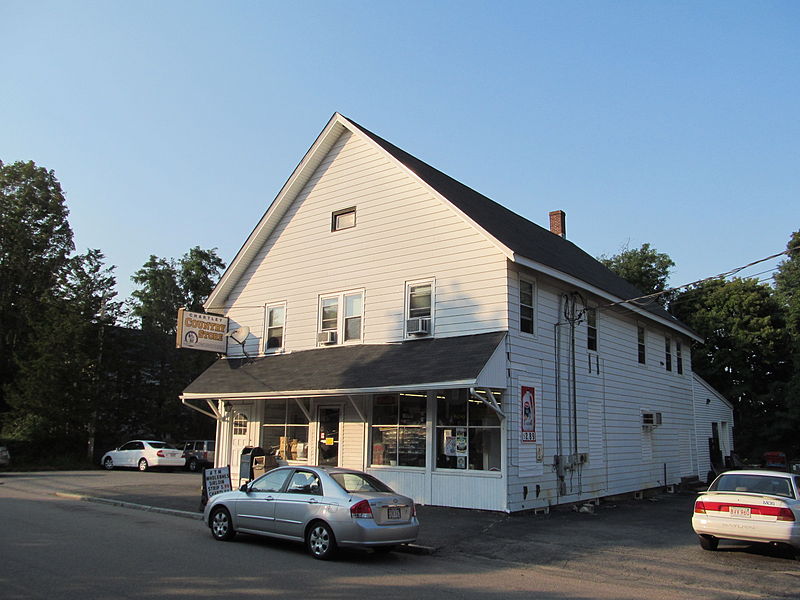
[[244, 488]]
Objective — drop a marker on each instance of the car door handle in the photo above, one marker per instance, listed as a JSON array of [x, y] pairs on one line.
[[268, 498], [313, 501]]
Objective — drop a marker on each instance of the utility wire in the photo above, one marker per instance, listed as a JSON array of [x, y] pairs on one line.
[[650, 298]]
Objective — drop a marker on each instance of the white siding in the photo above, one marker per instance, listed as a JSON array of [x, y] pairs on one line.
[[403, 233], [710, 407], [610, 399]]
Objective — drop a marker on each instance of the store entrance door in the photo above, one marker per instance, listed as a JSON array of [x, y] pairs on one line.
[[328, 440]]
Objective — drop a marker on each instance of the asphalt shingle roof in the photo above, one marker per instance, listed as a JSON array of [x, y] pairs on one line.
[[520, 235], [383, 366]]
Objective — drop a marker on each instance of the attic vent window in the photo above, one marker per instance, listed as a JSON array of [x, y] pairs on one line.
[[343, 219]]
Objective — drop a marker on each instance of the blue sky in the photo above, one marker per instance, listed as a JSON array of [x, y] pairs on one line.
[[175, 124]]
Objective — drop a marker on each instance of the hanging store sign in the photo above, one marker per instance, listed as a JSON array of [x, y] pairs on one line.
[[528, 421], [200, 331]]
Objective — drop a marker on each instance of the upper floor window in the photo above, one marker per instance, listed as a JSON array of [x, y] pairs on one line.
[[526, 305], [340, 317], [274, 322], [668, 353], [419, 307], [591, 329], [343, 219], [640, 342], [679, 357]]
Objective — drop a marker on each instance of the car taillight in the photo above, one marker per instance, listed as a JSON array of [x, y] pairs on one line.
[[413, 510], [785, 514], [160, 453], [361, 510], [699, 507]]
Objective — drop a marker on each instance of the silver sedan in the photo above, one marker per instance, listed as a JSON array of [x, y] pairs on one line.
[[325, 507]]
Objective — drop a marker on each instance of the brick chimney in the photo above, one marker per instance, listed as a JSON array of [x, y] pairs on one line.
[[558, 223]]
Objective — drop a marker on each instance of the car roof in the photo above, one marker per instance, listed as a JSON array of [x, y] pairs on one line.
[[758, 472]]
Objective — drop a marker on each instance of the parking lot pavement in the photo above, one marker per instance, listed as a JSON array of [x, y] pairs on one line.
[[659, 527], [629, 524], [647, 542]]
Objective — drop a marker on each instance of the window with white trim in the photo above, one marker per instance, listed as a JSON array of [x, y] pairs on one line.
[[274, 323], [640, 344], [668, 353], [419, 302], [342, 314], [679, 357], [398, 429], [591, 329], [467, 432], [527, 295], [239, 424]]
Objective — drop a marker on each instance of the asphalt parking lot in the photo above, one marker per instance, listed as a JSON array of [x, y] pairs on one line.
[[643, 540]]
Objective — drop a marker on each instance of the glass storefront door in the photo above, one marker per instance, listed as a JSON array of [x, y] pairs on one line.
[[328, 437]]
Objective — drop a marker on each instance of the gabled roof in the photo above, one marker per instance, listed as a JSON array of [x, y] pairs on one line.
[[521, 240]]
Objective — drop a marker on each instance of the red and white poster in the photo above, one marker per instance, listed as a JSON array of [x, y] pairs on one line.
[[528, 420]]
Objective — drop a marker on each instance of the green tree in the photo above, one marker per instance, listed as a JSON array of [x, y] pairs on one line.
[[56, 394], [744, 355], [787, 284], [35, 243], [164, 286], [645, 267]]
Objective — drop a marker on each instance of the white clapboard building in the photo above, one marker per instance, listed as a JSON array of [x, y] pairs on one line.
[[402, 323]]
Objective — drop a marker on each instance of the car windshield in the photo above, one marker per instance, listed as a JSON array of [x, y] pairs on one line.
[[754, 484], [162, 445], [359, 482]]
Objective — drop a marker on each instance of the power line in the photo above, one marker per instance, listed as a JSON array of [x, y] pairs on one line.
[[652, 297]]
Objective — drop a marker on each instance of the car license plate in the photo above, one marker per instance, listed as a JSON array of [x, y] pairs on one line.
[[743, 512], [394, 512]]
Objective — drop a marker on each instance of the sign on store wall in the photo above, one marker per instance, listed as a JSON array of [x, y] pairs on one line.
[[528, 420], [200, 331]]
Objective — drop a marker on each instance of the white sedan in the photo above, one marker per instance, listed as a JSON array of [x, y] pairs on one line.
[[750, 506], [143, 455]]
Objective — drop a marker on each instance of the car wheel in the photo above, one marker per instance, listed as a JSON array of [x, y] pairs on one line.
[[320, 540], [143, 466], [221, 526], [108, 464], [708, 542], [194, 466]]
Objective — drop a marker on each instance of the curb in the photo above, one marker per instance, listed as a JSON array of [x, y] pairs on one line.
[[407, 548], [155, 509]]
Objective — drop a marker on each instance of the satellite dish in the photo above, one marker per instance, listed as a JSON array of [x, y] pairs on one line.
[[240, 335]]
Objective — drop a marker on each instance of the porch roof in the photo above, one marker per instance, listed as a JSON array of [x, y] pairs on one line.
[[434, 363]]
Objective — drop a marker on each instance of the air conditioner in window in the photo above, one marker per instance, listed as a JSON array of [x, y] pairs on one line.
[[419, 326], [326, 337]]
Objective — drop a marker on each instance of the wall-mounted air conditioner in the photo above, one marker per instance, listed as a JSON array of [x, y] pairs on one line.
[[651, 419], [419, 326], [326, 337]]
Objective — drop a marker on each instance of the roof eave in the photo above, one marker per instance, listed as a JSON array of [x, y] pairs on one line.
[[299, 177], [439, 385], [579, 283]]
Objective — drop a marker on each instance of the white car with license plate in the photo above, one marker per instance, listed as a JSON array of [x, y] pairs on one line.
[[144, 455], [750, 506], [325, 507]]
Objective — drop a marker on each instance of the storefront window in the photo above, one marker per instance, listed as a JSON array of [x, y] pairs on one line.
[[285, 430], [398, 430], [467, 433]]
